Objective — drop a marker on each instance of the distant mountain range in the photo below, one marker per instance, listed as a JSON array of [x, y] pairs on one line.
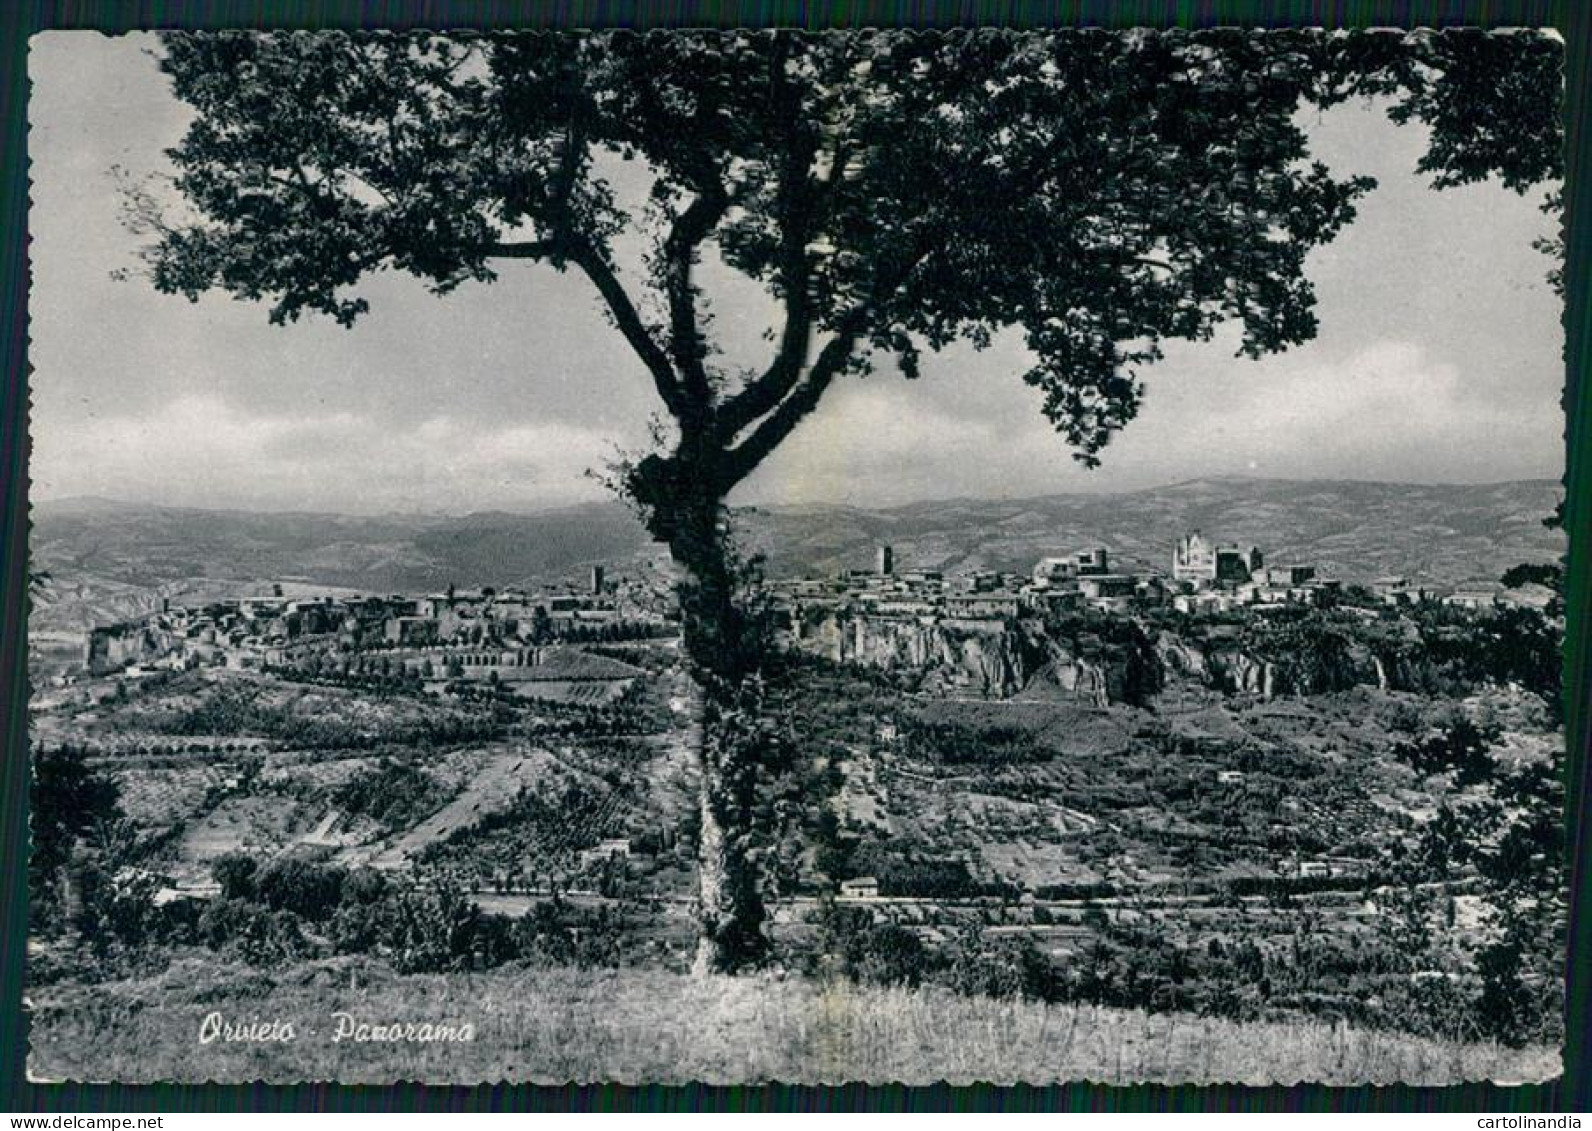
[[110, 559], [1445, 534]]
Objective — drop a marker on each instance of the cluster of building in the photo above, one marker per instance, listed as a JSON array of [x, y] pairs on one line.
[[1204, 577], [1401, 592], [272, 629], [486, 628], [1214, 577]]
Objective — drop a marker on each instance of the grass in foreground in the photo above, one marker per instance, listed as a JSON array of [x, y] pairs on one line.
[[651, 1026]]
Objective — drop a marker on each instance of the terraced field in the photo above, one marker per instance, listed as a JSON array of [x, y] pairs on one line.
[[500, 776], [262, 824], [157, 797]]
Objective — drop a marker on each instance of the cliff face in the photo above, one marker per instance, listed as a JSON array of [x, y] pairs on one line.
[[1180, 657], [992, 658], [984, 657], [1241, 673], [999, 659], [1089, 680], [1314, 671]]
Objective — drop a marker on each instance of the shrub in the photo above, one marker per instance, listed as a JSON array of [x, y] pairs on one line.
[[358, 924], [309, 890], [430, 930], [235, 872], [1461, 746], [259, 935], [68, 800], [1003, 968], [888, 956]]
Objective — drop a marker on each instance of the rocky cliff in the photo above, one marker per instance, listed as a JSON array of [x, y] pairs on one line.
[[997, 659], [986, 657], [1000, 659], [1308, 667]]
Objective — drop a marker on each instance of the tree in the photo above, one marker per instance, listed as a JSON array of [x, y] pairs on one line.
[[1550, 575], [235, 872], [430, 929], [68, 806], [1098, 193], [304, 888]]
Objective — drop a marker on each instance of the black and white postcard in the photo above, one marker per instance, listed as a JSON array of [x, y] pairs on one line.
[[765, 556]]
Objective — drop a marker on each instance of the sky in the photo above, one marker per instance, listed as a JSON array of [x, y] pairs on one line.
[[1439, 359]]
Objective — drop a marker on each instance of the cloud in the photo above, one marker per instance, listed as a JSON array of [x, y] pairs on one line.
[[1390, 410], [200, 450]]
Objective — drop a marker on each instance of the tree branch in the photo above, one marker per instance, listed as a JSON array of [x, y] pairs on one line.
[[739, 462], [617, 302], [779, 423], [797, 222], [686, 345], [764, 393], [633, 328], [558, 207]]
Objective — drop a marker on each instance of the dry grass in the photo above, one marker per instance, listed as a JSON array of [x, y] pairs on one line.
[[157, 796], [242, 823], [632, 1026]]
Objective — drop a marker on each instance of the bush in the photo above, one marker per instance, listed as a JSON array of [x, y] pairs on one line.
[[1003, 968], [888, 956], [430, 930], [310, 890], [541, 936], [359, 921], [235, 872], [118, 906], [1461, 747], [259, 935], [68, 802]]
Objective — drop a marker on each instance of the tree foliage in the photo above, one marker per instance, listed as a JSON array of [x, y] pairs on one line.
[[68, 799], [69, 805]]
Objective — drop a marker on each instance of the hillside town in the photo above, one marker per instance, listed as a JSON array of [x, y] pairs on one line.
[[1204, 577], [458, 632], [520, 639]]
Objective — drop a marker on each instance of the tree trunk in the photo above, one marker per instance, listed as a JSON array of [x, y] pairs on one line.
[[723, 648]]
